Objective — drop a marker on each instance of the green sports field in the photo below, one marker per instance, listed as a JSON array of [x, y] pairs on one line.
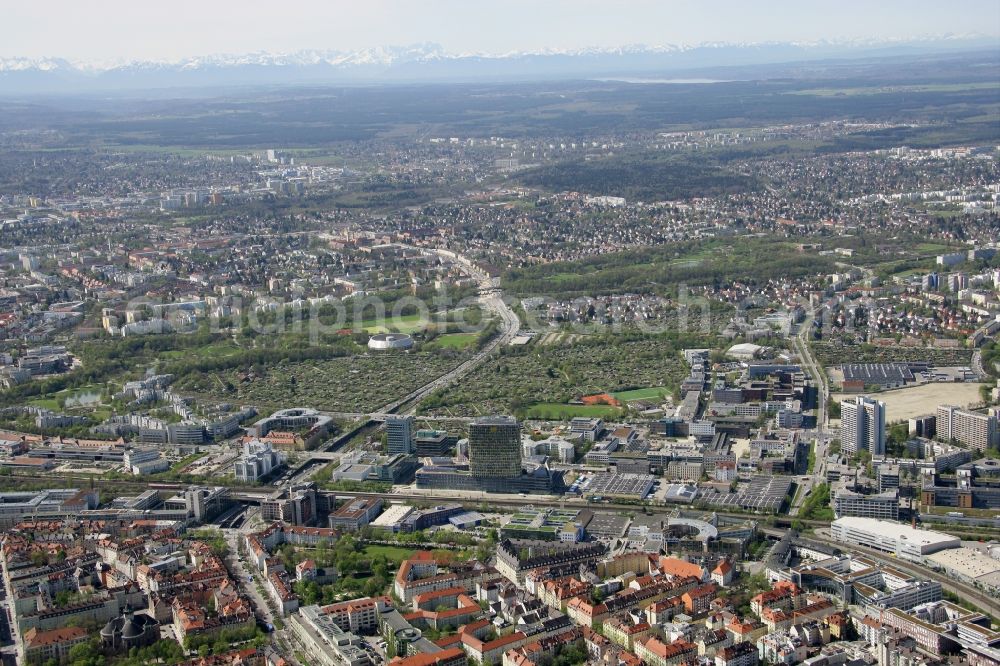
[[455, 340], [653, 393], [559, 412]]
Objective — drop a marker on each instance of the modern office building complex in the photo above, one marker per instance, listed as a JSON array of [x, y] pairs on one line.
[[495, 447], [434, 443], [399, 435], [977, 486], [862, 425], [457, 477], [977, 431], [884, 505], [293, 505], [18, 505], [257, 461], [495, 463]]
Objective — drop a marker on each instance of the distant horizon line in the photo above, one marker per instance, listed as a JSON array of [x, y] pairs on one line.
[[429, 51]]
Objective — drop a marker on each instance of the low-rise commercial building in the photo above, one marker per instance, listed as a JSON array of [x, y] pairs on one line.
[[896, 538], [356, 513]]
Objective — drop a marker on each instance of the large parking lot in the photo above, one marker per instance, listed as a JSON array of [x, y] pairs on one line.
[[913, 401]]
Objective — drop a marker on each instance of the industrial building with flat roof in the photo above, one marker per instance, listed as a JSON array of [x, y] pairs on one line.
[[765, 494], [884, 375], [897, 538], [392, 519], [614, 484], [453, 476], [16, 506], [545, 525], [971, 565]]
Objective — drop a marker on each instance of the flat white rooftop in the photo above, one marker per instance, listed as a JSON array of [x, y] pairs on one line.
[[898, 531], [394, 514], [967, 561]]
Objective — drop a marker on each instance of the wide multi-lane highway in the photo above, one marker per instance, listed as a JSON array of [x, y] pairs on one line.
[[491, 298], [801, 344]]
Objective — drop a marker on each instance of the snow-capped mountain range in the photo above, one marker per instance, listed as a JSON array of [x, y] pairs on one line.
[[430, 62]]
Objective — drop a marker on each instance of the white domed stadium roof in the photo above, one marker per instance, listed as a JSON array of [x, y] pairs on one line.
[[390, 341]]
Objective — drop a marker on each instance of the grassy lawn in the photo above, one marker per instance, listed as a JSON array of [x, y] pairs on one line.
[[969, 513], [187, 460], [101, 413], [46, 403], [51, 401], [455, 340], [403, 324], [394, 554], [693, 258], [929, 248], [653, 393], [556, 412], [214, 350], [909, 272]]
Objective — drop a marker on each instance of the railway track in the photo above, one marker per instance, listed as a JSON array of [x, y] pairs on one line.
[[256, 493]]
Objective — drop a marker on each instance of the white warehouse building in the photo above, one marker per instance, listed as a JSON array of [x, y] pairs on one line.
[[897, 538]]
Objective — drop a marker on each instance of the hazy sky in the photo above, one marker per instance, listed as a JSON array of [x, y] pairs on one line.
[[171, 29]]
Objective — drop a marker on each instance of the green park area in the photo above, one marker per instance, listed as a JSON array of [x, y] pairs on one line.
[[84, 396], [546, 382], [410, 323], [652, 393], [392, 554], [559, 412], [454, 340], [214, 350]]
